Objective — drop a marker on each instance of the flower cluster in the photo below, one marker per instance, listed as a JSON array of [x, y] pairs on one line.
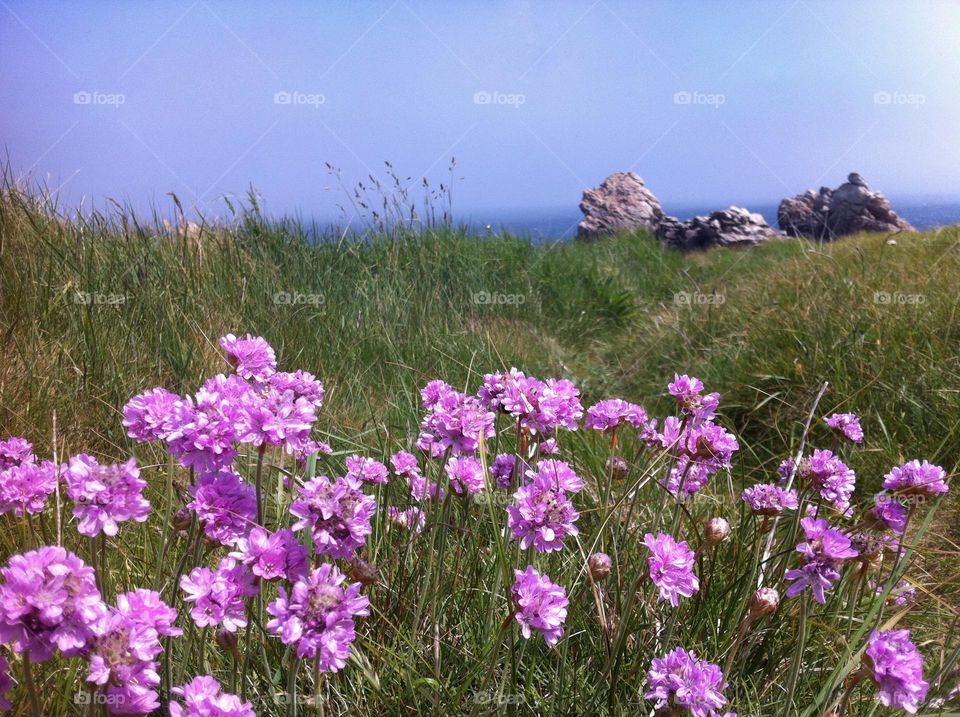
[[541, 514], [25, 484], [540, 407], [607, 415], [769, 500], [454, 421], [897, 669], [681, 681], [822, 554], [317, 616], [916, 478], [846, 425], [827, 474], [367, 470], [539, 604], [105, 495], [337, 512], [225, 504], [272, 556], [671, 567], [218, 595], [690, 397], [203, 697], [252, 358], [49, 600], [700, 448], [466, 474]]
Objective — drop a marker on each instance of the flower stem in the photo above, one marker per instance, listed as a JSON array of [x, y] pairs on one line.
[[259, 482], [31, 686]]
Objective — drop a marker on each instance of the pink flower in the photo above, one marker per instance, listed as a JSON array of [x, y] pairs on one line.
[[541, 515], [252, 357], [897, 668], [272, 556], [466, 474], [203, 697], [540, 604], [337, 513], [218, 595], [846, 425], [105, 495], [671, 567]]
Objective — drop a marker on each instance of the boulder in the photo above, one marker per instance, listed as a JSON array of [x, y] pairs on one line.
[[832, 213], [621, 203], [729, 227]]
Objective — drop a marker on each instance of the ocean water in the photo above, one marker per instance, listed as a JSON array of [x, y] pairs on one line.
[[553, 224]]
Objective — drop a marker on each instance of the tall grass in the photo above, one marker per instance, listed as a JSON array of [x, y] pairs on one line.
[[95, 309]]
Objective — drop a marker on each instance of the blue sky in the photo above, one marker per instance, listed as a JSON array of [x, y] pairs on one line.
[[711, 102]]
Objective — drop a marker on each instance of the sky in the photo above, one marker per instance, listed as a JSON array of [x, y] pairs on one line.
[[711, 102]]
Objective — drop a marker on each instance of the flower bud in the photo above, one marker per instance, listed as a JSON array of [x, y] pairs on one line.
[[363, 572], [181, 519], [227, 641], [764, 602], [617, 466], [716, 530], [599, 564]]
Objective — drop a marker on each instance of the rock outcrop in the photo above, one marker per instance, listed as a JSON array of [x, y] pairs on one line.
[[621, 203], [832, 213], [729, 227]]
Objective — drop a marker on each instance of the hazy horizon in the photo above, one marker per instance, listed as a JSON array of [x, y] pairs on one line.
[[742, 103]]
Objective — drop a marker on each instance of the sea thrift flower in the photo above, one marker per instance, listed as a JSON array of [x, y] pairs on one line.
[[454, 421], [903, 592], [203, 697], [692, 401], [405, 464], [277, 418], [412, 519], [888, 513], [558, 474], [14, 452], [765, 601], [897, 668], [367, 470], [830, 476], [466, 475], [539, 406], [48, 599], [208, 425], [318, 616], [252, 358], [671, 567], [617, 466], [502, 469], [716, 530], [822, 554], [607, 415], [769, 500], [337, 513], [303, 385], [24, 488], [916, 478], [846, 425], [549, 447], [539, 604], [599, 565], [541, 515], [273, 556], [701, 449], [123, 659], [218, 595], [225, 505], [680, 681], [152, 415], [105, 495], [6, 683]]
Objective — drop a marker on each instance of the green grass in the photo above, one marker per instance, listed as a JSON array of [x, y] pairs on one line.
[[380, 317]]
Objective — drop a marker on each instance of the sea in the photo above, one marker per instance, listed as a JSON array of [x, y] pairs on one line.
[[557, 224]]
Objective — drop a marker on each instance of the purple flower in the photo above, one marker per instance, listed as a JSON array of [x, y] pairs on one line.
[[208, 425], [502, 469], [692, 401], [549, 447], [888, 514], [769, 500], [405, 464], [701, 448], [454, 421], [48, 599], [252, 358], [846, 425], [318, 616], [14, 452], [273, 556], [541, 515], [610, 413], [203, 697], [337, 513], [123, 658], [558, 474], [218, 595], [412, 519], [422, 489], [822, 554], [828, 475], [367, 470], [466, 475], [897, 668], [539, 604], [105, 495], [152, 415], [6, 683], [681, 681], [24, 488], [303, 385], [277, 418], [671, 567], [225, 504], [916, 478], [539, 406]]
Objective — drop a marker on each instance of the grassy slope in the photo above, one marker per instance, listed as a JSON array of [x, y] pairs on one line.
[[395, 314]]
